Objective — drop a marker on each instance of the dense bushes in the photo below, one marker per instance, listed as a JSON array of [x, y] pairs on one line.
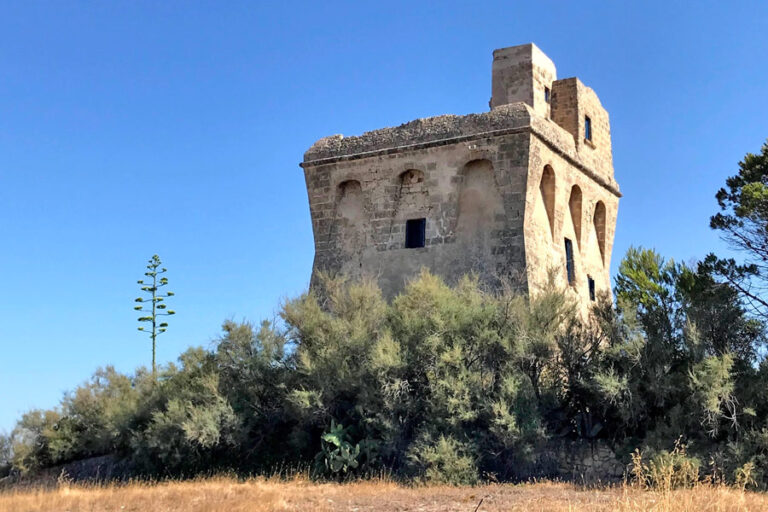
[[447, 384]]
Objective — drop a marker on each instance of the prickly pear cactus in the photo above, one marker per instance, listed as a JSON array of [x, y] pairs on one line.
[[338, 455]]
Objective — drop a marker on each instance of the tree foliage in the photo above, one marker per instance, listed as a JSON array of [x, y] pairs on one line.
[[444, 383], [743, 222]]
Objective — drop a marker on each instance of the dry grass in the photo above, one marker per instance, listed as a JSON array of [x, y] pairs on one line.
[[262, 495]]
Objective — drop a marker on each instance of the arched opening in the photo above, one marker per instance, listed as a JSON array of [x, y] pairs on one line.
[[599, 221], [574, 205], [547, 188]]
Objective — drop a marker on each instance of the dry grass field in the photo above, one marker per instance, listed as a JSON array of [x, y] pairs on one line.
[[262, 495]]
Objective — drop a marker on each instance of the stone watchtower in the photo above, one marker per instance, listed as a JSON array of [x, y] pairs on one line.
[[508, 194]]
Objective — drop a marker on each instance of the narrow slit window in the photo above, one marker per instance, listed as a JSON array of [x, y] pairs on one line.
[[546, 94], [591, 288], [587, 128], [569, 266], [414, 233]]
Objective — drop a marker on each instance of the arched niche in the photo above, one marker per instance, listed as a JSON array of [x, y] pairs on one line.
[[547, 192], [599, 222], [349, 204], [411, 201], [574, 206], [412, 193], [411, 177], [350, 219], [479, 201]]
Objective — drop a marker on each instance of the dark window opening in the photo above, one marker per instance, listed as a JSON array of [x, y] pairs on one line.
[[591, 288], [587, 128], [546, 94], [414, 233], [569, 266]]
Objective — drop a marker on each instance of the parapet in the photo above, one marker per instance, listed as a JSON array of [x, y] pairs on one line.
[[428, 131]]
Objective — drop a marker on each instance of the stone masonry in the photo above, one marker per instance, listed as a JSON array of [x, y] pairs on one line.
[[515, 194]]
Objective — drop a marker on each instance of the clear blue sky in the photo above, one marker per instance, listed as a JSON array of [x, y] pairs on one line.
[[129, 128]]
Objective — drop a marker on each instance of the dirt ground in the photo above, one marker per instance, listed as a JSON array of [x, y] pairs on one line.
[[259, 495]]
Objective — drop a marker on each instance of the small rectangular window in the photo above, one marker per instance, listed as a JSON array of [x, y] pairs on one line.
[[587, 128], [569, 266], [591, 288], [546, 94], [414, 233]]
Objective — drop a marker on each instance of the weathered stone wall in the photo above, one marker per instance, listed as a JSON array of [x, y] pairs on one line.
[[573, 219], [480, 182], [572, 103], [470, 193]]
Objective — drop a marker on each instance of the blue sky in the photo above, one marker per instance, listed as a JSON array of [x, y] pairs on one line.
[[133, 128]]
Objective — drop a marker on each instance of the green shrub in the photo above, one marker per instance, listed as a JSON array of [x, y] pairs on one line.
[[443, 383], [666, 470], [444, 461]]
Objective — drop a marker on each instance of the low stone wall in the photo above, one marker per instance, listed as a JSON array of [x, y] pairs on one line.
[[106, 468], [589, 463], [581, 462], [573, 461]]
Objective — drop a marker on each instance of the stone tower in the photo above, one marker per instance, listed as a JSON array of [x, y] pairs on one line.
[[508, 194]]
